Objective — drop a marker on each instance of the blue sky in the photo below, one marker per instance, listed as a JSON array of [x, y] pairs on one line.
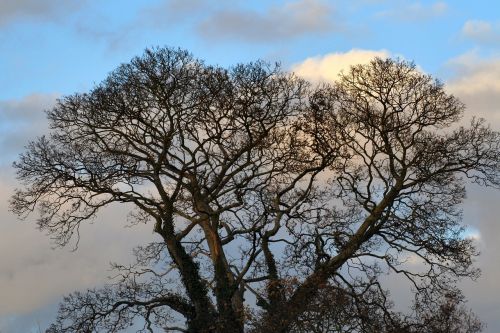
[[51, 48], [65, 46]]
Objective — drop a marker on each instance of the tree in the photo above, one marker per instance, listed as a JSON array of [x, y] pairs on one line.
[[264, 190]]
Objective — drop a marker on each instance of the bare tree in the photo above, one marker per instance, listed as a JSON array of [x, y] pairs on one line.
[[262, 188]]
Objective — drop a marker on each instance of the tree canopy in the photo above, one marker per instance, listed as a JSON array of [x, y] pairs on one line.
[[273, 199]]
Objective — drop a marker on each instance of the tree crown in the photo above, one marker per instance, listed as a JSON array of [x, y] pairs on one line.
[[256, 181]]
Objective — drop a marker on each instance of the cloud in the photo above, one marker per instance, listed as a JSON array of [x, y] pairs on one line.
[[20, 118], [167, 12], [156, 16], [326, 68], [47, 10], [29, 108], [293, 19], [415, 11], [476, 81], [482, 32], [33, 275], [481, 210]]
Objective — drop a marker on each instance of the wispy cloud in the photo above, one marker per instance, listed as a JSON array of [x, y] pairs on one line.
[[415, 11], [156, 16], [28, 108], [169, 12], [293, 19], [47, 10], [19, 119], [482, 32]]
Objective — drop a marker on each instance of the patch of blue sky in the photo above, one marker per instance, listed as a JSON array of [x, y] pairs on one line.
[[471, 233]]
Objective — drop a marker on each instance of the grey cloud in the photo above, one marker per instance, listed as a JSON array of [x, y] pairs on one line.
[[484, 104], [29, 108], [20, 120], [415, 11], [113, 37], [168, 12], [11, 10], [33, 275], [157, 16], [222, 20], [482, 32], [291, 20], [476, 82], [481, 211]]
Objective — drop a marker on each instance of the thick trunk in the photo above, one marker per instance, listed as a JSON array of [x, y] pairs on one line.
[[229, 304], [204, 319], [229, 299]]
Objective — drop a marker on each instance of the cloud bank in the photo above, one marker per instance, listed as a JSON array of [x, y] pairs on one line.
[[476, 82], [33, 274]]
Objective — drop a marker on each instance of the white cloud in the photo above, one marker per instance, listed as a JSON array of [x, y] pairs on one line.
[[482, 32], [473, 74], [326, 68]]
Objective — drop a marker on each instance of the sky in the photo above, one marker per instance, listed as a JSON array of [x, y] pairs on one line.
[[53, 48]]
